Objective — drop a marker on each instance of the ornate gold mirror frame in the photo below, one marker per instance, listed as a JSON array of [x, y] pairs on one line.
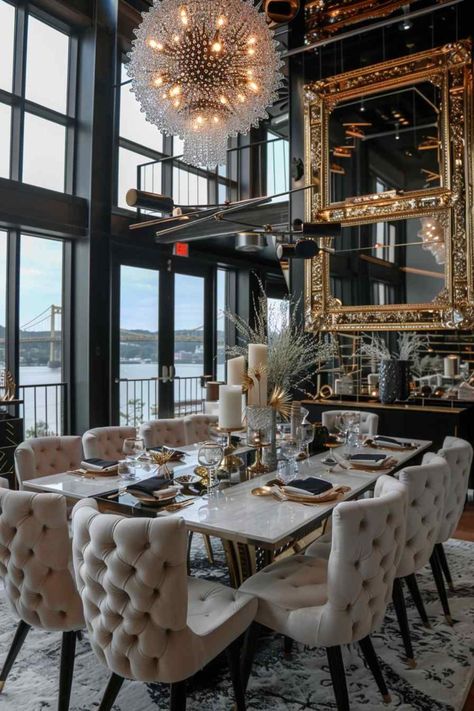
[[449, 68]]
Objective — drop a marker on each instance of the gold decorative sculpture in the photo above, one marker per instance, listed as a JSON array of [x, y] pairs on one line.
[[8, 385], [448, 70]]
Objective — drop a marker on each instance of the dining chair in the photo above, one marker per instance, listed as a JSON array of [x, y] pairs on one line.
[[4, 483], [369, 422], [170, 433], [106, 442], [198, 427], [458, 454], [147, 620], [41, 456], [335, 601], [35, 554]]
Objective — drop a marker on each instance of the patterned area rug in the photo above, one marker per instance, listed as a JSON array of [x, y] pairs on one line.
[[439, 683]]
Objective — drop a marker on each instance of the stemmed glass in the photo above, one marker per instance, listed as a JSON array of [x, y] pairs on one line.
[[289, 448], [209, 456], [306, 436], [133, 447]]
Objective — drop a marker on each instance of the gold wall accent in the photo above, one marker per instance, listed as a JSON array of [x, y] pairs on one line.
[[450, 68]]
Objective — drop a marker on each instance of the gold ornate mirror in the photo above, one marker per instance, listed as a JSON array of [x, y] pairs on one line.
[[388, 149]]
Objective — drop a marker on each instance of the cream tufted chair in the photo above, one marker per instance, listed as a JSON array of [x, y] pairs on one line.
[[198, 427], [369, 422], [170, 433], [458, 454], [146, 619], [4, 483], [35, 554], [106, 442], [343, 599], [40, 456]]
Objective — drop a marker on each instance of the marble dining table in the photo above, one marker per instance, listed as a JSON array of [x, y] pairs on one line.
[[253, 529]]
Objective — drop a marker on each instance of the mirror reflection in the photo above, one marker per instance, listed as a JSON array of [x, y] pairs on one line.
[[385, 141], [390, 262]]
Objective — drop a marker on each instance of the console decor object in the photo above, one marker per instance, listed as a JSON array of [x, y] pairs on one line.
[[439, 85]]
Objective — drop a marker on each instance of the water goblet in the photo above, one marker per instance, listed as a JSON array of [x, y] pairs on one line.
[[209, 456], [289, 448], [133, 447], [306, 436]]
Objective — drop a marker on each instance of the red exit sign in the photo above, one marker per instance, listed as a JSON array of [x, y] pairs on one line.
[[181, 249]]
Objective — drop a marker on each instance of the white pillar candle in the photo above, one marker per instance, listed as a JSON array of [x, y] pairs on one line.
[[373, 380], [230, 407], [451, 365], [235, 370], [258, 359]]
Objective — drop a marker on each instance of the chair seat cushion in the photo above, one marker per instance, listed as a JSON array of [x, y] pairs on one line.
[[291, 595]]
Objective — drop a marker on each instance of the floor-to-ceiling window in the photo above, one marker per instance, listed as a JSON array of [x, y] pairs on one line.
[[41, 334], [36, 104], [3, 295], [221, 306]]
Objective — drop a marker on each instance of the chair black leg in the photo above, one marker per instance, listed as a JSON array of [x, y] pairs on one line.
[[20, 635], [287, 646], [68, 651], [417, 599], [444, 565], [438, 577], [338, 676], [188, 556], [373, 663], [178, 696], [111, 692], [233, 659], [250, 645], [401, 611]]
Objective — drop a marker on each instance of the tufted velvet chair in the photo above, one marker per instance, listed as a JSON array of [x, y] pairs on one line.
[[35, 559], [458, 454], [369, 422], [170, 433], [146, 619], [4, 483], [106, 442], [40, 456], [198, 427], [342, 599]]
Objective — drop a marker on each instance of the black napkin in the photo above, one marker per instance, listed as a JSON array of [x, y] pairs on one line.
[[390, 440], [97, 463], [312, 485], [367, 457], [148, 486]]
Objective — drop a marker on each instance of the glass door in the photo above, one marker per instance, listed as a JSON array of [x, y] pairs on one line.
[[166, 342]]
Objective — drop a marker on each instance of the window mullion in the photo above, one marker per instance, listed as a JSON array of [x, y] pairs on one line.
[[18, 111]]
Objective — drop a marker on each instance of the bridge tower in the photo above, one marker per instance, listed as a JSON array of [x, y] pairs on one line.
[[55, 339]]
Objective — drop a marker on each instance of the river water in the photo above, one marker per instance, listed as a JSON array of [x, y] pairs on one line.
[[48, 400]]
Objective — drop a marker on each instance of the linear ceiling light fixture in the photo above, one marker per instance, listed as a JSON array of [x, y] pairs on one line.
[[205, 71]]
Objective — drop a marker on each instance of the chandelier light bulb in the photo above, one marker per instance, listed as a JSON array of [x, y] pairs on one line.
[[204, 75]]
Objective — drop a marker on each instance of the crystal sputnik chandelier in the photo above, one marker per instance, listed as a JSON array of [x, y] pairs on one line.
[[204, 70], [432, 236]]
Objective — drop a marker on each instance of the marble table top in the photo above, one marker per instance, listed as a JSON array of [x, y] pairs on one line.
[[234, 513]]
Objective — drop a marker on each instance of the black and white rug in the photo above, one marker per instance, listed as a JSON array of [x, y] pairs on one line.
[[440, 682]]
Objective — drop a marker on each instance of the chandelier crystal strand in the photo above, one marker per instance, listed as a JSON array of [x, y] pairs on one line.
[[204, 71]]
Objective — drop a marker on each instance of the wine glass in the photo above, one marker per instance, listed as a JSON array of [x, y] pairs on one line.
[[209, 456], [133, 447], [289, 448], [306, 435]]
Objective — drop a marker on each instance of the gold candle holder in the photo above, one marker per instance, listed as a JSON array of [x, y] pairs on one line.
[[230, 461], [258, 467]]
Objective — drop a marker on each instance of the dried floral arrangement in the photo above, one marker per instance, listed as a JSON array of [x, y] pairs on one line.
[[410, 346], [294, 356]]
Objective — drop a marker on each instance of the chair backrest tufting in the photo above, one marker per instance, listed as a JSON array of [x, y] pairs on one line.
[[425, 486], [367, 540], [40, 456], [170, 433], [369, 421], [132, 577], [35, 558], [106, 442], [458, 454], [198, 427]]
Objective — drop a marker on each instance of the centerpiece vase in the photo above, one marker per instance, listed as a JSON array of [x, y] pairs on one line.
[[388, 380]]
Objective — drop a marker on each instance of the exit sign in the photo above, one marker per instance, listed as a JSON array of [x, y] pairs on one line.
[[181, 249]]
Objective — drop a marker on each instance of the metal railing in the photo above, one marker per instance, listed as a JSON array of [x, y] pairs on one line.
[[44, 409], [139, 397]]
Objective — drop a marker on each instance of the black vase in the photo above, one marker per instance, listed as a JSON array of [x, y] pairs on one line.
[[404, 377], [388, 381]]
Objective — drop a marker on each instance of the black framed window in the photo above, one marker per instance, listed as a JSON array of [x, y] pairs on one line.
[[37, 98]]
